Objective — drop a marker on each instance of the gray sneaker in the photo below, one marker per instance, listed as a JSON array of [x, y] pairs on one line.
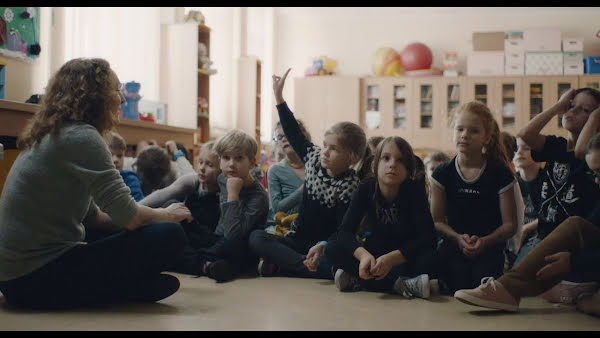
[[413, 287], [345, 282]]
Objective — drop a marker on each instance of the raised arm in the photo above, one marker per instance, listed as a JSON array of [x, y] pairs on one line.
[[290, 126], [589, 129], [530, 133]]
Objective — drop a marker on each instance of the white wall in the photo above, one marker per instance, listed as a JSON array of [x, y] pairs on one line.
[[352, 35]]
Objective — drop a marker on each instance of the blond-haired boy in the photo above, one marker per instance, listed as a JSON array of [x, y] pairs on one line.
[[244, 206]]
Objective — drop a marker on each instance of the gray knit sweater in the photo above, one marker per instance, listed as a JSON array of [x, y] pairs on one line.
[[51, 187]]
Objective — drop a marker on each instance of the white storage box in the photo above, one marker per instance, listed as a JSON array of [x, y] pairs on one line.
[[543, 63], [572, 57], [572, 45], [486, 63], [573, 68], [512, 58], [542, 40], [514, 46], [514, 69]]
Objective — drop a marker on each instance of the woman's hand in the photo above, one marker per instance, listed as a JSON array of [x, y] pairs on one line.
[[178, 212], [278, 83]]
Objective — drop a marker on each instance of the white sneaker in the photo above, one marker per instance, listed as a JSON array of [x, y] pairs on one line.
[[414, 287], [345, 282], [569, 292]]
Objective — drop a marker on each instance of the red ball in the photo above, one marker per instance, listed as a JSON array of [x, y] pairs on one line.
[[416, 56]]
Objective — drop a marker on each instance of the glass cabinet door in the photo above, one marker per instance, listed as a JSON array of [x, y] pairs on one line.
[[508, 105], [400, 109], [372, 116], [426, 108]]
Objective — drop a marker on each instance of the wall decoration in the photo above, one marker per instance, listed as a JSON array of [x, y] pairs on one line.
[[20, 32]]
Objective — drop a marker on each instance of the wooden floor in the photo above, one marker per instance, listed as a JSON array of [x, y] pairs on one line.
[[295, 304]]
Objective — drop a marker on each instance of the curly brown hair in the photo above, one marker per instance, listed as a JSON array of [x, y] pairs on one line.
[[82, 90]]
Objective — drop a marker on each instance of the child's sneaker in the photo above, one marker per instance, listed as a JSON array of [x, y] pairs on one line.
[[434, 287], [490, 294], [219, 270], [266, 269], [346, 282], [589, 304], [568, 292], [413, 287]]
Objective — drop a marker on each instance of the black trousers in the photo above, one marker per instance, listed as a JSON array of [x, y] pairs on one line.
[[288, 253], [461, 272], [204, 245]]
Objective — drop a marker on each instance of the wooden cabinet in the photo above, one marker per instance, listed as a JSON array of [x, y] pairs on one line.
[[321, 101], [592, 81], [419, 108]]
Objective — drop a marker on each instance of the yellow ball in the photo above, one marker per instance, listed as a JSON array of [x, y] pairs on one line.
[[386, 62]]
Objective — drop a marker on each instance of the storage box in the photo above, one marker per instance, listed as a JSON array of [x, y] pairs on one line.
[[543, 63], [511, 58], [573, 68], [592, 64], [488, 41], [485, 63], [542, 40], [514, 35], [514, 46], [514, 69], [572, 45], [573, 57]]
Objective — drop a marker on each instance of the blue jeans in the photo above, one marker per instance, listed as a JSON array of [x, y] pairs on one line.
[[526, 248], [105, 270]]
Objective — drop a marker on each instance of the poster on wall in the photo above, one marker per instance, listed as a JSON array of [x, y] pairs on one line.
[[20, 32]]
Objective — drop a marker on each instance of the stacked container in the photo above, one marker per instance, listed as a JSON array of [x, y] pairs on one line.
[[572, 56], [543, 52], [514, 53]]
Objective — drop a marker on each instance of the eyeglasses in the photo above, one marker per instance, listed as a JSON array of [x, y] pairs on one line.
[[278, 137]]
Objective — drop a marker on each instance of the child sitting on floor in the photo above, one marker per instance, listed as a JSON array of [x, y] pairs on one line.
[[387, 228]]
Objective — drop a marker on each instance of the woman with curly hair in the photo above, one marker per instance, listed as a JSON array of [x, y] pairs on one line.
[[63, 178]]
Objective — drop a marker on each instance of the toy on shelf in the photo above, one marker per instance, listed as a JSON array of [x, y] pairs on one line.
[[194, 16], [386, 62], [203, 61], [450, 64], [202, 106], [416, 56], [321, 66], [130, 107]]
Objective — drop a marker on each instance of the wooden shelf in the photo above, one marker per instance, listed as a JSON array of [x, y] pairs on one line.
[[14, 116]]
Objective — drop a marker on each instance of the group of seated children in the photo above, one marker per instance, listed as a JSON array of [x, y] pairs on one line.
[[367, 214]]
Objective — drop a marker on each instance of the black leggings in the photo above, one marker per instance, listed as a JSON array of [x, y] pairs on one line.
[[105, 270]]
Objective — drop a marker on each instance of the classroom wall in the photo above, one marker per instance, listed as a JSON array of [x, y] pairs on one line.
[[352, 35]]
